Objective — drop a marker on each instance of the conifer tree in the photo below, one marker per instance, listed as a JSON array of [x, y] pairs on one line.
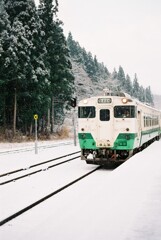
[[95, 70], [27, 80], [57, 57], [5, 29], [136, 87], [75, 49], [114, 74], [96, 64], [90, 66], [148, 96], [121, 78], [142, 94], [103, 72], [128, 85]]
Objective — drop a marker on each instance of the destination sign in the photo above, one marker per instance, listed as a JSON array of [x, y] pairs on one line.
[[104, 100]]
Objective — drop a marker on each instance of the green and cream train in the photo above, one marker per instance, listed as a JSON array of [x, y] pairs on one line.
[[113, 127]]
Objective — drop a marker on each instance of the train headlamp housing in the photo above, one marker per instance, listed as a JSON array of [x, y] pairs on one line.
[[124, 100]]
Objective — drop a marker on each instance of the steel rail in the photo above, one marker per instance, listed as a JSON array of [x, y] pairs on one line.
[[37, 171], [20, 212], [38, 164]]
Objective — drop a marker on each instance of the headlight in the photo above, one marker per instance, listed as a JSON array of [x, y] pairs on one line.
[[124, 100], [85, 101]]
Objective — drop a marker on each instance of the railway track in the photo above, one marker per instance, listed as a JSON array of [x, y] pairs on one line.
[[38, 164], [34, 204], [38, 170], [31, 148]]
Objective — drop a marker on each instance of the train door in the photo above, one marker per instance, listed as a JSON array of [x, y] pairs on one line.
[[105, 121], [139, 128]]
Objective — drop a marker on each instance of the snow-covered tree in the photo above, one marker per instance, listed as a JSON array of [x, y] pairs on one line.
[[148, 96], [128, 85], [114, 74], [136, 87], [5, 29], [97, 71], [57, 58], [27, 75], [121, 78]]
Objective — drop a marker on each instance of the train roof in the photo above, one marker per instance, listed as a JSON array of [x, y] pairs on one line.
[[107, 92]]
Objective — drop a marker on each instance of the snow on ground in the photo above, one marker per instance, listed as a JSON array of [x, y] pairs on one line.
[[24, 153], [121, 205]]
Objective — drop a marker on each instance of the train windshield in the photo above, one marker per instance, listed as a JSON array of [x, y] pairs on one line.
[[124, 112], [104, 115], [86, 112]]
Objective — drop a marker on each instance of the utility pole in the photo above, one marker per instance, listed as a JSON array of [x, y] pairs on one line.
[[15, 112], [52, 114], [74, 129], [73, 104], [36, 117]]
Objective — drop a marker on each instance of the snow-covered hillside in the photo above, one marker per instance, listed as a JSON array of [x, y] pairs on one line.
[[157, 101], [85, 87]]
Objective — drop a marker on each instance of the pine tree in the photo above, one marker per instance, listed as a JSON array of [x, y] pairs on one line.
[[27, 73], [114, 74], [121, 78], [103, 73], [148, 96], [5, 29], [57, 57], [136, 87], [74, 47], [142, 94], [90, 66], [96, 64], [95, 70], [128, 85]]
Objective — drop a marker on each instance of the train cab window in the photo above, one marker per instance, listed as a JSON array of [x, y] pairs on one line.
[[124, 112], [104, 115], [86, 112]]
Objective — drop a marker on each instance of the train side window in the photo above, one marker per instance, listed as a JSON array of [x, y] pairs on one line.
[[144, 121], [86, 112], [104, 115], [124, 112]]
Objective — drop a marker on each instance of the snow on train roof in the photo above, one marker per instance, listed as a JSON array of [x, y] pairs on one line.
[[112, 94], [107, 92]]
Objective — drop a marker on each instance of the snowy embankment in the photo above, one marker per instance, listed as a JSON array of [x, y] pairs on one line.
[[123, 204]]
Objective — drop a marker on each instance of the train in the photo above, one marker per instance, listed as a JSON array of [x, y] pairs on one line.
[[114, 126]]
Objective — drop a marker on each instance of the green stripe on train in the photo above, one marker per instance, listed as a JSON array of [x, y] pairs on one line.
[[86, 141], [124, 141], [150, 131]]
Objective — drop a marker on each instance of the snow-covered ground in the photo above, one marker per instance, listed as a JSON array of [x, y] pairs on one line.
[[123, 204]]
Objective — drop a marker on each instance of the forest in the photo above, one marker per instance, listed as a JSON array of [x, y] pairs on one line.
[[36, 74], [97, 71], [35, 67]]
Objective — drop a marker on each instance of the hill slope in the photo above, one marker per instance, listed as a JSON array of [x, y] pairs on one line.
[[86, 87]]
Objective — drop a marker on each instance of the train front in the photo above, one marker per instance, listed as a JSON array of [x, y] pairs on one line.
[[105, 129]]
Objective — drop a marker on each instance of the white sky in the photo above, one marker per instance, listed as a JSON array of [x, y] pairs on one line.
[[119, 32]]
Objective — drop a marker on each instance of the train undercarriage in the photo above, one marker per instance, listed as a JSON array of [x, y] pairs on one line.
[[104, 156]]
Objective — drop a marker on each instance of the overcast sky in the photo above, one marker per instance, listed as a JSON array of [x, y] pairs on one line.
[[119, 32]]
